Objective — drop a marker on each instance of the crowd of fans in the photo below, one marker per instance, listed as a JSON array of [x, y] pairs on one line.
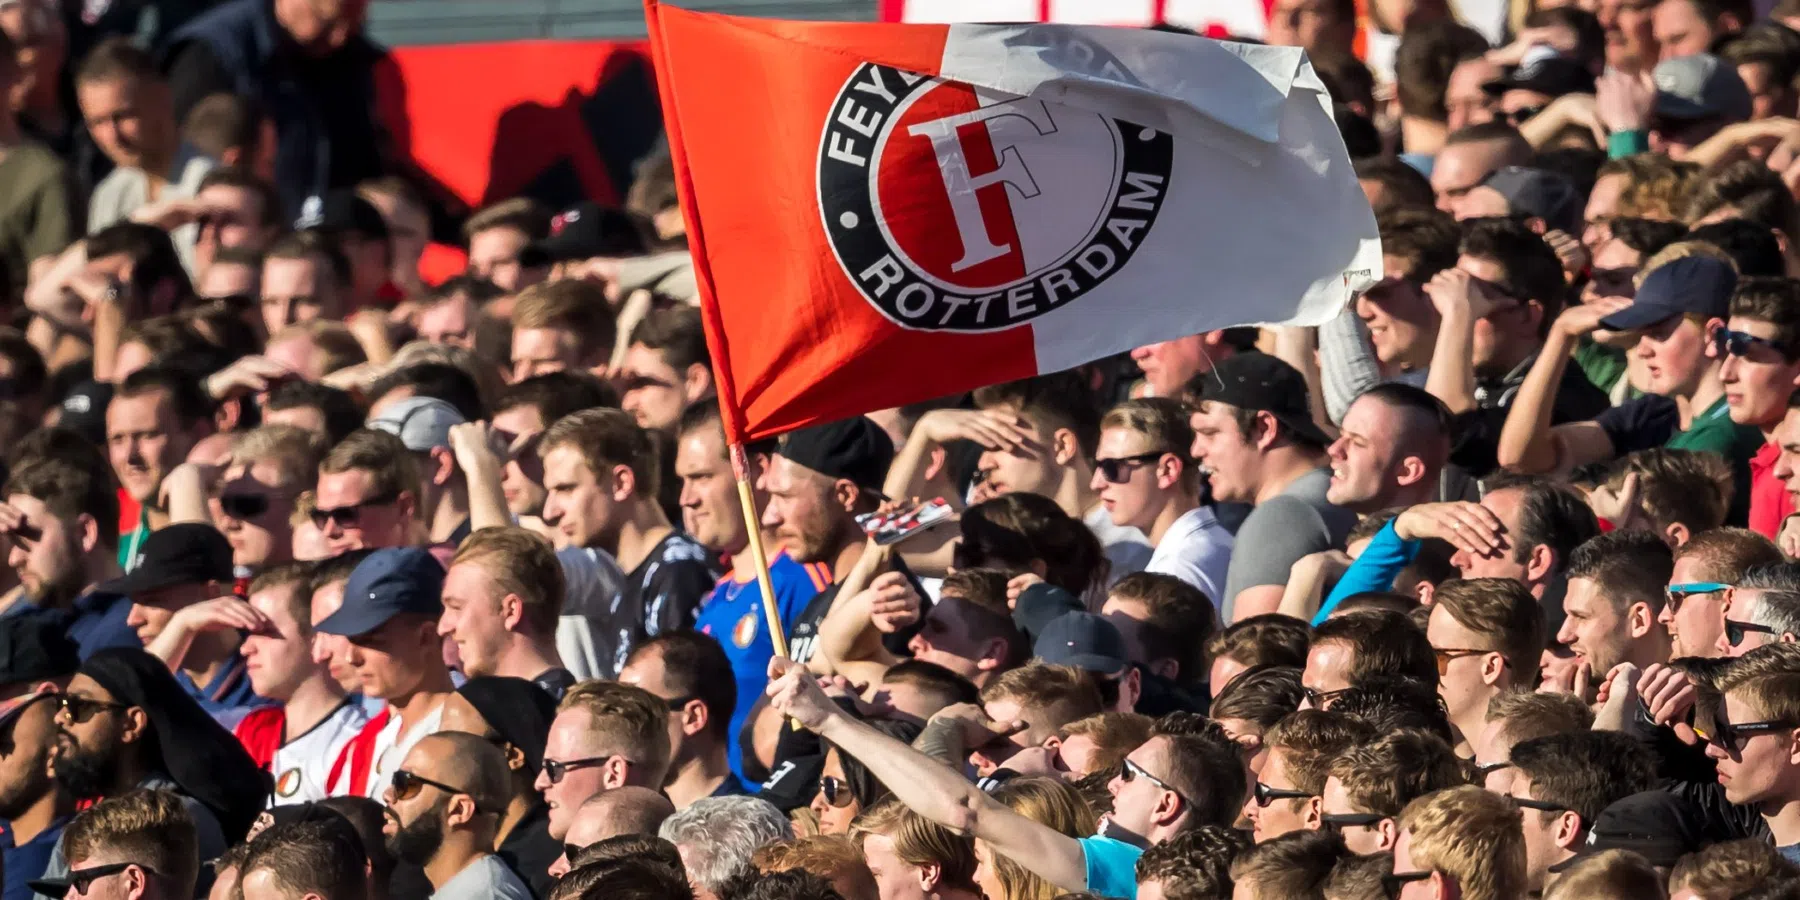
[[328, 583]]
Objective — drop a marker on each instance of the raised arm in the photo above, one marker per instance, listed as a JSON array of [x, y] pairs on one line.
[[927, 786], [1526, 440]]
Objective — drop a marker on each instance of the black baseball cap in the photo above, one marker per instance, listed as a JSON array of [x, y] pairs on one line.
[[342, 212], [587, 230], [1262, 382], [1657, 825], [36, 646], [178, 554], [854, 449], [1085, 641], [1553, 75], [1701, 285], [389, 582], [1538, 193]]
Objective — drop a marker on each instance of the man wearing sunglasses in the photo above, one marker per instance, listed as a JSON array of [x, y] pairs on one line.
[[386, 631], [1561, 783], [1257, 443], [1368, 786], [1460, 842], [1754, 745], [37, 659], [140, 845], [1759, 352], [1763, 609], [1286, 796], [689, 671], [1487, 635], [176, 593], [1707, 569], [606, 735], [270, 467], [1153, 797], [443, 809], [423, 424], [368, 493], [1146, 480]]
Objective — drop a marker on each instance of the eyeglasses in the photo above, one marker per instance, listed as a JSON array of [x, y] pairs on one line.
[[81, 709], [569, 852], [1676, 593], [1731, 737], [1133, 772], [1735, 631], [1118, 470], [1321, 699], [1519, 116], [243, 506], [348, 516], [1539, 805], [1738, 343], [407, 785], [835, 791], [1392, 885], [1446, 654], [81, 879], [1266, 795], [1339, 821], [555, 770]]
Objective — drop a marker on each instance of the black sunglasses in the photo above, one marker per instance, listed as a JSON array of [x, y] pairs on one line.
[[835, 791], [1340, 821], [555, 769], [1738, 343], [1520, 116], [1320, 699], [79, 880], [1539, 805], [1731, 737], [1735, 631], [1392, 885], [407, 785], [569, 852], [1266, 795], [81, 709], [1486, 769], [1118, 470], [243, 506], [348, 516]]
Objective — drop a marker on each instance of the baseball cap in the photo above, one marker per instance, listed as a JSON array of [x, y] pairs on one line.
[[1082, 640], [341, 212], [854, 449], [1660, 826], [35, 647], [182, 553], [1700, 285], [1546, 73], [1701, 86], [421, 423], [391, 581], [1538, 193], [587, 230], [84, 410], [1260, 381]]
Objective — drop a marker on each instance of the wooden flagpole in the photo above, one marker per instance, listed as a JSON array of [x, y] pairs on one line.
[[740, 467]]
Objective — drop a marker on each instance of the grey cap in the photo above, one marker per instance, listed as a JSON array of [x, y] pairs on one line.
[[421, 423], [1539, 194], [1701, 86]]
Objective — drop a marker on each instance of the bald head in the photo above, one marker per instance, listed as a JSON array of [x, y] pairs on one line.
[[465, 761], [622, 810]]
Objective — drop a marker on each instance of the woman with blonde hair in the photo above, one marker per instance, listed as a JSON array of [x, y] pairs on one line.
[[1044, 799]]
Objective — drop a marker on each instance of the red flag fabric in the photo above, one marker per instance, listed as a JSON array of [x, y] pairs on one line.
[[882, 214]]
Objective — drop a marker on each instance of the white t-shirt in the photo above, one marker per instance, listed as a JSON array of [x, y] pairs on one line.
[[303, 764], [1126, 547], [391, 748], [1197, 550]]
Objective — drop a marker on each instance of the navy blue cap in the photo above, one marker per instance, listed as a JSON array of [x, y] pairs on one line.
[[1082, 640], [1701, 285], [389, 582]]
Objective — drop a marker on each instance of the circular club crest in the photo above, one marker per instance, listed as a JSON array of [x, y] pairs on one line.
[[745, 630], [288, 783], [953, 208]]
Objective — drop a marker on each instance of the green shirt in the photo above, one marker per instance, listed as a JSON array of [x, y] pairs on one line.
[[1713, 430], [133, 541], [1602, 365]]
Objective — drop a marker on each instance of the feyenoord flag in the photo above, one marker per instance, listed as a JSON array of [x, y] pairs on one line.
[[883, 214]]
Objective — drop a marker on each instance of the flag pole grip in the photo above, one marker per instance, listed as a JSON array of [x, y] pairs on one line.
[[740, 467]]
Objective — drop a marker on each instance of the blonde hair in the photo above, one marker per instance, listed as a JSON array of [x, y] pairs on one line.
[[1045, 800], [627, 721], [1730, 868], [1607, 875], [1472, 835], [571, 305], [1062, 693], [150, 828], [295, 452], [1655, 185], [833, 857], [918, 841], [1115, 735], [521, 562]]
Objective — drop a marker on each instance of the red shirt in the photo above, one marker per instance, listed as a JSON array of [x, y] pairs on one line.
[[1770, 501]]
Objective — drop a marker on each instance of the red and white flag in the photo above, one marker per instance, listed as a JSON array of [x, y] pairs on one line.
[[883, 214]]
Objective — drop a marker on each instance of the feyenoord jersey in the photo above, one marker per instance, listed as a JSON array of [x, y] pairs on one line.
[[301, 766]]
